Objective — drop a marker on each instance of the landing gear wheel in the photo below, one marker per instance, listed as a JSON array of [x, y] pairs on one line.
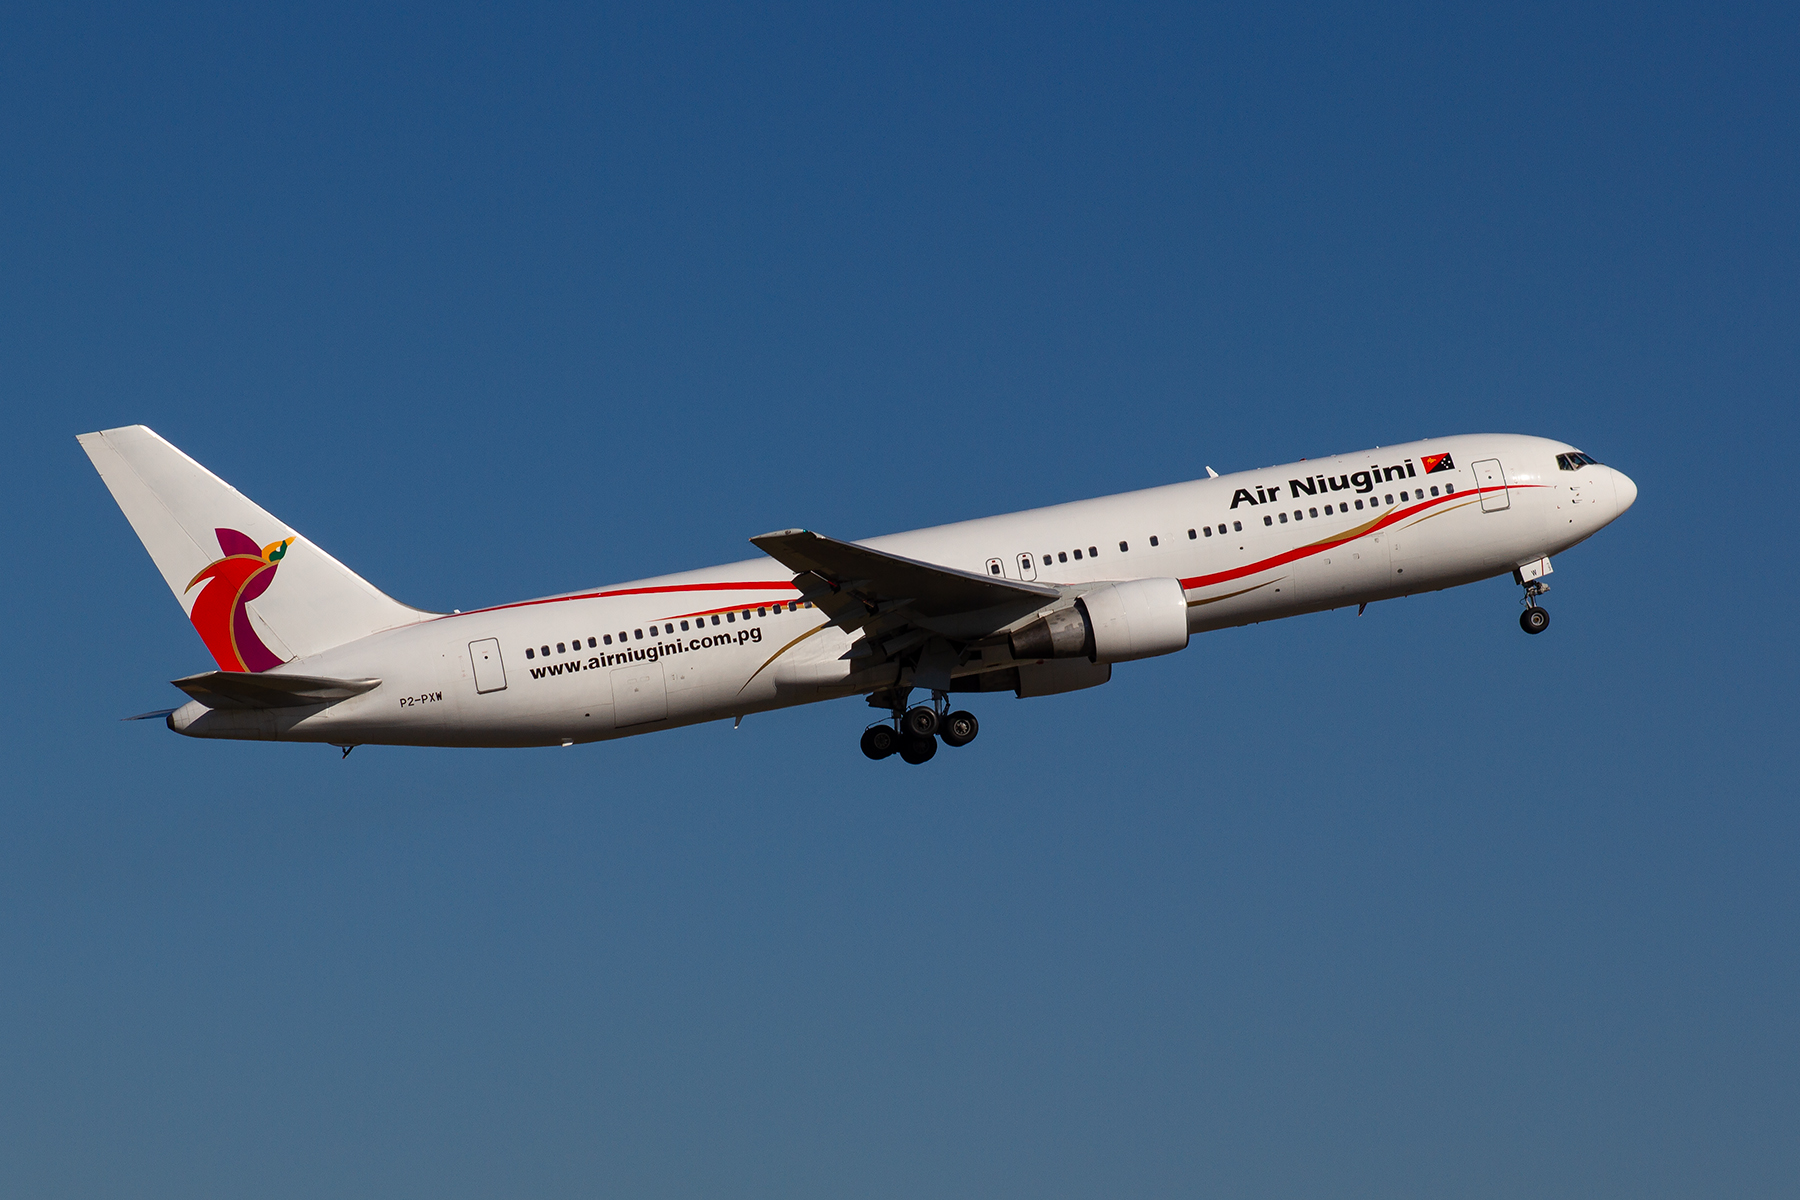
[[879, 741], [959, 728], [919, 722], [915, 749], [1534, 620]]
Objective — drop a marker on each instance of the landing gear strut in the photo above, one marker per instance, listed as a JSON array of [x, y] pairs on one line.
[[913, 733], [1534, 619]]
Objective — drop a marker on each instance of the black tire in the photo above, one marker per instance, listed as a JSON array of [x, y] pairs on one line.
[[878, 741], [916, 750], [959, 728], [1534, 620], [919, 722]]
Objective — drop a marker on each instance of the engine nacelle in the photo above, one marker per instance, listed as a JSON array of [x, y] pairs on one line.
[[1139, 618]]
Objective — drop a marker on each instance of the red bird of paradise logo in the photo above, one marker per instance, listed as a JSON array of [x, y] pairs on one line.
[[220, 612]]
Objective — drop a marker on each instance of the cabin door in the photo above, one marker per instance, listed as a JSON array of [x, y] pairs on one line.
[[490, 672], [1490, 477]]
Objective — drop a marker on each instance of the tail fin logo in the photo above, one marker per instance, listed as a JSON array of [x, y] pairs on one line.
[[220, 612]]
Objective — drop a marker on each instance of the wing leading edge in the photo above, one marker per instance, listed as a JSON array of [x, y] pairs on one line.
[[854, 584]]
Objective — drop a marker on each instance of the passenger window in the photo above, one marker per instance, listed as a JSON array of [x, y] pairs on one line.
[[1390, 499], [1123, 548], [1448, 490], [684, 627], [592, 643], [1209, 531], [1062, 556], [993, 568], [715, 618], [638, 634], [530, 653], [1270, 520], [1359, 505], [1077, 555], [622, 637], [1237, 525], [762, 612], [655, 632], [731, 616], [544, 650], [1046, 560], [1283, 518], [1434, 491], [606, 639], [1093, 553], [1194, 537], [561, 649], [668, 628], [1153, 540]]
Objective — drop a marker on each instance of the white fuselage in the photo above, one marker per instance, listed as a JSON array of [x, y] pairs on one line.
[[735, 639]]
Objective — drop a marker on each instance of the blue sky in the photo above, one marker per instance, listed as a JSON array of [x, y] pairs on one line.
[[495, 303]]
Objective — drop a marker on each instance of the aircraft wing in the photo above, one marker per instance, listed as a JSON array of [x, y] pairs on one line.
[[247, 689], [855, 584]]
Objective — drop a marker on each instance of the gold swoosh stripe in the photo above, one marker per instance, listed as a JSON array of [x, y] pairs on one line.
[[781, 652]]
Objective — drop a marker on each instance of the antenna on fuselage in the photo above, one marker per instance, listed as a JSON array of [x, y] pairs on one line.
[[1211, 474]]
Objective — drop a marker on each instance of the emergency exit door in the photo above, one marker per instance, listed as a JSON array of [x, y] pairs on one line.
[[639, 694], [490, 672], [1490, 477]]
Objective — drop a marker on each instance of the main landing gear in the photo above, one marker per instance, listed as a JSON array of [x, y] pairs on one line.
[[914, 733], [1534, 619]]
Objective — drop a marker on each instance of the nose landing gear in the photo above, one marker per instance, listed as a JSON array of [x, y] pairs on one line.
[[1534, 619], [913, 733]]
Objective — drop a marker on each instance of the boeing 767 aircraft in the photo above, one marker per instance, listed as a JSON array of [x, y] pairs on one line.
[[1031, 603]]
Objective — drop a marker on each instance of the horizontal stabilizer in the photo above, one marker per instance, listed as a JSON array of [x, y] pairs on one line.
[[245, 689]]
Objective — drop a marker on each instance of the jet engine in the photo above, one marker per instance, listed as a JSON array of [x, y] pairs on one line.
[[1139, 618]]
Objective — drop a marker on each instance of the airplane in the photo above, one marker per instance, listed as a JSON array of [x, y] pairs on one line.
[[1034, 603]]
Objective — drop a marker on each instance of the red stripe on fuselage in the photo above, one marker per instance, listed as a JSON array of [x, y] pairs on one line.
[[1191, 584], [1312, 548], [767, 585]]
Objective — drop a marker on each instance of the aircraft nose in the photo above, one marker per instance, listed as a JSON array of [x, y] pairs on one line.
[[1624, 489]]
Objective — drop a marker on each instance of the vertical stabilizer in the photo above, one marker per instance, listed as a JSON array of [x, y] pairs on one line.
[[258, 593]]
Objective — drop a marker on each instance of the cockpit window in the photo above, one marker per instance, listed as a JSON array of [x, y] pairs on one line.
[[1575, 460]]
